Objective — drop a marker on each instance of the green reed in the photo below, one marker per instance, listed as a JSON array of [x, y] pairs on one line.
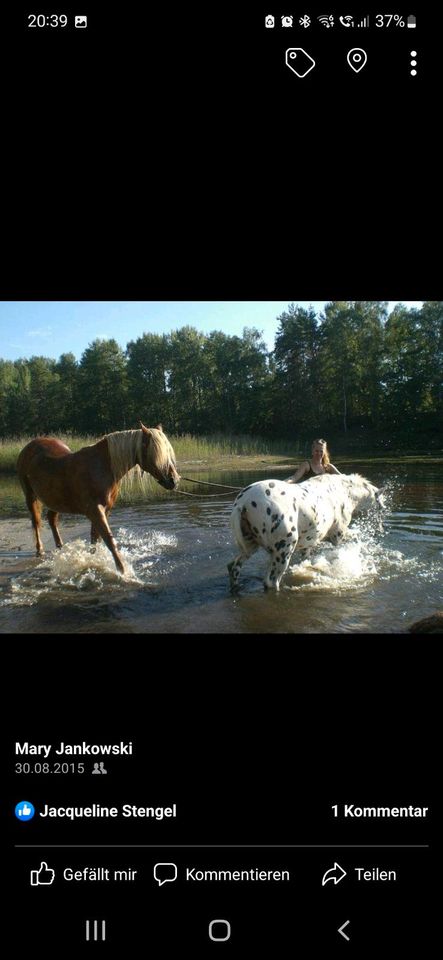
[[187, 447]]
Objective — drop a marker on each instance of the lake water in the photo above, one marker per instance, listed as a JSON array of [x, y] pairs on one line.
[[177, 550]]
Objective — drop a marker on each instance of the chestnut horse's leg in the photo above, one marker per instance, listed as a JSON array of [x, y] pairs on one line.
[[35, 508], [36, 513], [52, 520], [95, 536], [97, 516]]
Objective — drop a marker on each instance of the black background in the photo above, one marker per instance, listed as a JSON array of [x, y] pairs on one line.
[[171, 154], [252, 752]]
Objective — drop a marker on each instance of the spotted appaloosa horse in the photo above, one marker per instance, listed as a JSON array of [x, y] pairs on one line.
[[87, 481], [282, 517]]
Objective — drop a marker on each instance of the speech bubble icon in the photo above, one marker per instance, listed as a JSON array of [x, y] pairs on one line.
[[165, 873]]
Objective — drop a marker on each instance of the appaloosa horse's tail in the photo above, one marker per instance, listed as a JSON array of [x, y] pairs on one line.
[[254, 527]]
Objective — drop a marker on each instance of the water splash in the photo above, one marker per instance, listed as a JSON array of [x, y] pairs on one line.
[[359, 560], [79, 568]]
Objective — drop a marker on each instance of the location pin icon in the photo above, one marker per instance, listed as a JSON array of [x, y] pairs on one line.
[[357, 58]]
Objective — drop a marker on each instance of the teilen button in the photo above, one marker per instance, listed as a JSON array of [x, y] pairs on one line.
[[219, 930]]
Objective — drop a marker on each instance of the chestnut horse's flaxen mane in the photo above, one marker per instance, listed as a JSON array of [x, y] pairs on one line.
[[125, 451]]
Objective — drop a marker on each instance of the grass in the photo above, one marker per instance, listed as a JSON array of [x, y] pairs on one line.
[[10, 449], [187, 448], [194, 455]]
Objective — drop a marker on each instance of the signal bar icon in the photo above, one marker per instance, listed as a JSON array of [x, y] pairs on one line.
[[364, 22]]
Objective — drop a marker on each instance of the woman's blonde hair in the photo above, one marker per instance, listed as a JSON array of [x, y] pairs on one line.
[[325, 458]]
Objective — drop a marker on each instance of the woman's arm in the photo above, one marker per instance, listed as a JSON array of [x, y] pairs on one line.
[[299, 473], [333, 469]]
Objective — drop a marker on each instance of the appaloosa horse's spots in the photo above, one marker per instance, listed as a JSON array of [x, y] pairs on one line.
[[322, 510]]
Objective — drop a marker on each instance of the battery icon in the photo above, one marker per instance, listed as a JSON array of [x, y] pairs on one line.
[[412, 23]]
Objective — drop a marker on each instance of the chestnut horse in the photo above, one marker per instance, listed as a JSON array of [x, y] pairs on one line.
[[87, 481]]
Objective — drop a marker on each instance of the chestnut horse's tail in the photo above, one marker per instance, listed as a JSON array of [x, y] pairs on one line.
[[29, 493], [33, 503]]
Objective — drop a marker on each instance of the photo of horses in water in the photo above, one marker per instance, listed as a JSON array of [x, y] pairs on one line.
[[229, 515]]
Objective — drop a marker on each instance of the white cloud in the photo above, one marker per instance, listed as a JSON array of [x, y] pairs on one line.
[[40, 332]]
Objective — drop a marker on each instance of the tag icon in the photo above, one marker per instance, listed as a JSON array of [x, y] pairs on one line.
[[300, 62], [357, 59]]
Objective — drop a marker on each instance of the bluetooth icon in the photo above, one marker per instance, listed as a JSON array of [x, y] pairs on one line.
[[305, 21]]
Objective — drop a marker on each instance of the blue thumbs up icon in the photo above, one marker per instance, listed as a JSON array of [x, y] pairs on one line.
[[24, 810]]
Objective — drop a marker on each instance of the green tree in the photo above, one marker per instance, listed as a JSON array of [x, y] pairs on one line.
[[235, 374], [18, 403], [65, 392], [8, 379], [43, 395], [148, 377], [186, 378], [102, 389], [413, 368], [296, 372], [431, 356], [350, 362]]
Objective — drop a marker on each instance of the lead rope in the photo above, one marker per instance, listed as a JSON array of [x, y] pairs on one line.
[[207, 496], [208, 483]]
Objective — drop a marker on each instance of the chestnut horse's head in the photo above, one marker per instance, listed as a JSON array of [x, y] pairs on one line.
[[158, 457]]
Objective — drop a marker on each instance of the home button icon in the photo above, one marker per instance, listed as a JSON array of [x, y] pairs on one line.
[[219, 930]]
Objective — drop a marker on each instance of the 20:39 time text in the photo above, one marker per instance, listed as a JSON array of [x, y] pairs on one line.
[[47, 20]]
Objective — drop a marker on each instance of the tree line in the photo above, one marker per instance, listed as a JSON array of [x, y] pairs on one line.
[[353, 366]]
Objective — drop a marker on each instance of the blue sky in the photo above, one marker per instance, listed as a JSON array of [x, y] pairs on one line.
[[49, 328]]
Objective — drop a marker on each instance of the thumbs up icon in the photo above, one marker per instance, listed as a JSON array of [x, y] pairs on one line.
[[24, 810], [43, 876]]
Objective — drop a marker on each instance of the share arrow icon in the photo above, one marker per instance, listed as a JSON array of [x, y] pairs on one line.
[[335, 873]]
